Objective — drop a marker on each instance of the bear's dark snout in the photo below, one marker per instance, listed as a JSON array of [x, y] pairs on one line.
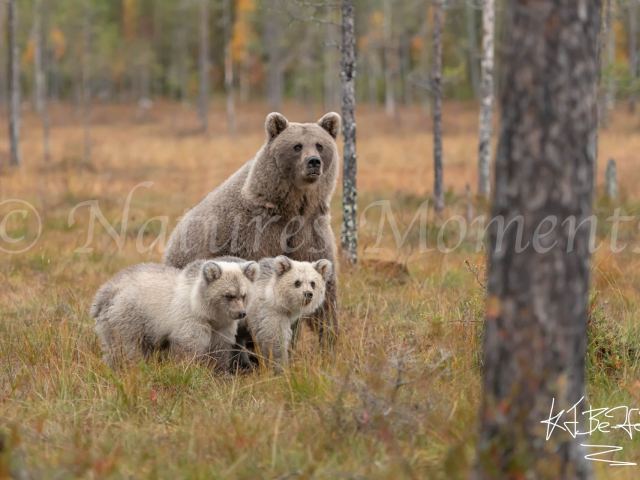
[[314, 162], [308, 294], [242, 314]]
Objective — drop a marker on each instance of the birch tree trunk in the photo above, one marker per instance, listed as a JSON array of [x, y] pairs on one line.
[[349, 238], [436, 86], [536, 319], [473, 48], [486, 101], [203, 103], [14, 85], [37, 55], [633, 45], [389, 77], [86, 82], [228, 67]]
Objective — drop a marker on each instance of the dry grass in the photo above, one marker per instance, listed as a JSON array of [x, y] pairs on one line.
[[399, 398]]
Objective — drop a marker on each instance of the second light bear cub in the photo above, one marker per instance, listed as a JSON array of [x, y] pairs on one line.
[[192, 312], [285, 291]]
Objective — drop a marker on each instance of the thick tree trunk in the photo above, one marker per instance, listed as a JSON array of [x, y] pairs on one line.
[[633, 45], [536, 319], [473, 48], [389, 60], [203, 103], [228, 67], [14, 85], [436, 85], [349, 238], [486, 101], [86, 82], [37, 56]]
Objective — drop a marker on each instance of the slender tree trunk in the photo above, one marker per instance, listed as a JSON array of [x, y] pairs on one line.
[[424, 67], [228, 67], [37, 55], [389, 77], [203, 104], [274, 65], [405, 62], [86, 82], [349, 238], [536, 320], [611, 56], [183, 56], [14, 85], [436, 85], [46, 121], [633, 45], [4, 93], [486, 101], [473, 48], [372, 81]]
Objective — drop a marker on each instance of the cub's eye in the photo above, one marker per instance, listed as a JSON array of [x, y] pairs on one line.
[[297, 284], [244, 297], [319, 147], [313, 284], [229, 297], [298, 147]]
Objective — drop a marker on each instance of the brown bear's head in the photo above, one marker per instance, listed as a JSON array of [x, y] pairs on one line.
[[304, 152]]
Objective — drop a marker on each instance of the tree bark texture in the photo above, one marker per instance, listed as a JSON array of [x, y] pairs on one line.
[[536, 314], [436, 85], [203, 103], [389, 58], [486, 102], [349, 238], [228, 67], [473, 48], [14, 85]]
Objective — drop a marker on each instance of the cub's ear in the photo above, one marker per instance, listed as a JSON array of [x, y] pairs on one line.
[[250, 270], [283, 264], [275, 125], [324, 268], [211, 271], [331, 123]]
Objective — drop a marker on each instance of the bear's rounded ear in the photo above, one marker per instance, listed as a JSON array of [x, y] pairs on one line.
[[275, 125], [324, 268], [211, 271], [283, 264], [331, 123], [250, 270]]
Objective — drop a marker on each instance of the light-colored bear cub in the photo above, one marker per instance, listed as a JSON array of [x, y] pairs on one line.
[[285, 291], [192, 312]]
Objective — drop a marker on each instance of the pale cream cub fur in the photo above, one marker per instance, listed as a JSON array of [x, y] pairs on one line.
[[193, 312], [285, 291]]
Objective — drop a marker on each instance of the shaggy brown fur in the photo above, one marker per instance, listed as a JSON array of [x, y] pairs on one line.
[[276, 204]]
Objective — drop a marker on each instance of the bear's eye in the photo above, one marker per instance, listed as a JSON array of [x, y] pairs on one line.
[[229, 297], [244, 297], [297, 284], [313, 284], [319, 147], [298, 147]]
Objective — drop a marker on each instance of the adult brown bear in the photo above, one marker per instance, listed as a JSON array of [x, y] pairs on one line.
[[275, 204]]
